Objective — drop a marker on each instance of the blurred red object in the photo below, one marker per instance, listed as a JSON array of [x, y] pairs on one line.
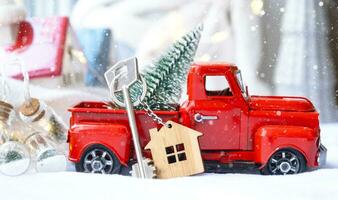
[[40, 46]]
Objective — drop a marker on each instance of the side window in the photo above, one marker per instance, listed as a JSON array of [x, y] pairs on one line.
[[217, 86]]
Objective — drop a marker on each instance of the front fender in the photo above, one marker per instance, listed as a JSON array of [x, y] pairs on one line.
[[115, 137], [269, 139]]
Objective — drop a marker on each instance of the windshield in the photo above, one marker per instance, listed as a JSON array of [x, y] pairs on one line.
[[241, 84]]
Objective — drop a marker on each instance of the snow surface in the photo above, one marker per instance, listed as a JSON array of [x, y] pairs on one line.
[[318, 184]]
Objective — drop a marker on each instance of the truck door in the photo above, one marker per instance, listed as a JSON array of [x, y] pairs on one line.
[[218, 117]]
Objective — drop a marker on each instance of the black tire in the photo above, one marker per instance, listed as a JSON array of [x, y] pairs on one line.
[[98, 159], [285, 161]]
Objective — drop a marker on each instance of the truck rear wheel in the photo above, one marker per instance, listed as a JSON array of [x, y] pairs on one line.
[[98, 159], [285, 161]]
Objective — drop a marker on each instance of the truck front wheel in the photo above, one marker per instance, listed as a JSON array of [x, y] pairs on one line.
[[285, 161], [98, 159]]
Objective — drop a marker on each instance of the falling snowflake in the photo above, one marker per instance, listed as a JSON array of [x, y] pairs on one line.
[[278, 113]]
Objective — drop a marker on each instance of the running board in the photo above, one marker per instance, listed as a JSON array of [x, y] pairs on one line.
[[234, 167]]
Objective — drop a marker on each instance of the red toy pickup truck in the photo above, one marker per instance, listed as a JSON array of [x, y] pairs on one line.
[[279, 135]]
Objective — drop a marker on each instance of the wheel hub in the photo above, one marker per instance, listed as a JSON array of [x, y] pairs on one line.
[[97, 165], [285, 167]]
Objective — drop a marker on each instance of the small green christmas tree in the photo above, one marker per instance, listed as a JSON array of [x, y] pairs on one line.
[[56, 130], [165, 76], [12, 156]]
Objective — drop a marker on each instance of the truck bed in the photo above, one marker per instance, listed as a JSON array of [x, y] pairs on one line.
[[97, 113]]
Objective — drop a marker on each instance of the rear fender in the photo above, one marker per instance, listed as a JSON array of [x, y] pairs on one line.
[[269, 139], [117, 138]]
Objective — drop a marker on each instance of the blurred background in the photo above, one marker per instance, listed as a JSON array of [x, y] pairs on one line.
[[283, 47]]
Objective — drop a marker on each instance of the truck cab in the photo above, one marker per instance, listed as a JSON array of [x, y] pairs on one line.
[[217, 106], [276, 134]]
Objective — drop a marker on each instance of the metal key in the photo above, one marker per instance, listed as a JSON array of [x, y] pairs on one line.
[[119, 78]]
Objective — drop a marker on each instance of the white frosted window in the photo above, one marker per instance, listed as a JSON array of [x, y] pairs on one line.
[[217, 86]]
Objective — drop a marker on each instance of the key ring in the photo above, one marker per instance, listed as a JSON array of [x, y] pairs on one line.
[[121, 103]]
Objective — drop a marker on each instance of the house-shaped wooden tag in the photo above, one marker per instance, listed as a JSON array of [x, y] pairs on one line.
[[175, 151]]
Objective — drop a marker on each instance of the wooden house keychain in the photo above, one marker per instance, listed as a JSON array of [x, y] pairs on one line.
[[175, 150]]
